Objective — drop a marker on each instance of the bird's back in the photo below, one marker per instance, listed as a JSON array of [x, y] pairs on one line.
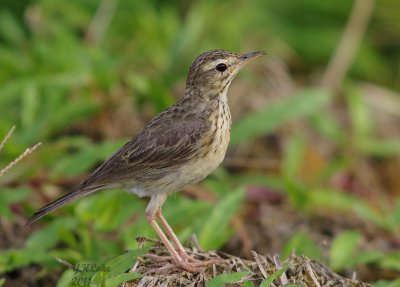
[[182, 145]]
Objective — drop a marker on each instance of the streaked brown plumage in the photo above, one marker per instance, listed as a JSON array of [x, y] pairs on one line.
[[181, 146]]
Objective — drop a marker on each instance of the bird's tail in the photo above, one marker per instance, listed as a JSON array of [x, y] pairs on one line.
[[73, 195]]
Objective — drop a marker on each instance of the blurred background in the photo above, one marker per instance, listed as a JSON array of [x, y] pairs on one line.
[[313, 165]]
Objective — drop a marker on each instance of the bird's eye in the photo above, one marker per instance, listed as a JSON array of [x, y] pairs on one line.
[[221, 67]]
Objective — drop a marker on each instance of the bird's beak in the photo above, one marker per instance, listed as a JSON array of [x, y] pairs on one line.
[[247, 58]]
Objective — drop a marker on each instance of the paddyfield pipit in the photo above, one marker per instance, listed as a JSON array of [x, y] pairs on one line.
[[179, 147]]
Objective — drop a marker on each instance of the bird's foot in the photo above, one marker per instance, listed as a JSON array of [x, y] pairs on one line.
[[174, 264], [184, 261], [190, 266], [194, 265], [159, 258], [171, 266], [198, 262]]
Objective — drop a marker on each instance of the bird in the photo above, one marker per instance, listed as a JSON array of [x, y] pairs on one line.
[[179, 147]]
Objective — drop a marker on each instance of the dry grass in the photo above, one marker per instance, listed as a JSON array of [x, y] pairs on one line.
[[20, 157], [300, 270]]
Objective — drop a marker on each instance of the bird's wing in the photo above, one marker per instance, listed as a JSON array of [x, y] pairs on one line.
[[160, 148]]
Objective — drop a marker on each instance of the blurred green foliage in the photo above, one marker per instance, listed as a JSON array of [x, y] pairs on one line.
[[60, 70]]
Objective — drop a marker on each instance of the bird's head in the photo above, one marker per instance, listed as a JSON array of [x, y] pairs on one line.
[[212, 72]]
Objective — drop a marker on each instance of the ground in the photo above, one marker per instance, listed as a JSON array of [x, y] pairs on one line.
[[300, 270]]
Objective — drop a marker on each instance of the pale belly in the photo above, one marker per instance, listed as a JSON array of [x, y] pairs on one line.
[[190, 173], [194, 172]]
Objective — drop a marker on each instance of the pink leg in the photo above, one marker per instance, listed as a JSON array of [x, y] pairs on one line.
[[171, 234], [179, 261], [181, 250], [180, 257]]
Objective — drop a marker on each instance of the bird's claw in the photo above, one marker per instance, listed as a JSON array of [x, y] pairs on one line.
[[184, 262]]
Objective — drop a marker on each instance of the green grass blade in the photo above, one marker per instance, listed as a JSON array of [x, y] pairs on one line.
[[223, 279], [125, 261], [268, 281], [343, 249], [214, 231], [122, 278], [116, 266]]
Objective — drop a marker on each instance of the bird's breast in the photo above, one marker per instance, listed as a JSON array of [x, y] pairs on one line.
[[219, 135], [212, 147]]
